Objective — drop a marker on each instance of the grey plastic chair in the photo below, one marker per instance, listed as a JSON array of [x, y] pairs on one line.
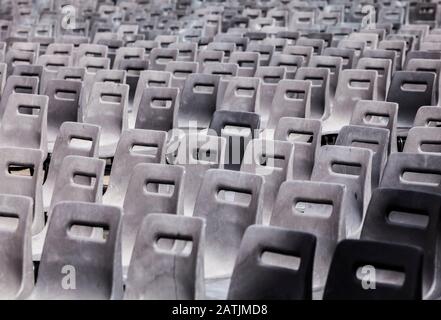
[[158, 109], [197, 153], [316, 208], [230, 202], [353, 85], [352, 167], [357, 260], [209, 56], [377, 114], [265, 51], [89, 50], [428, 116], [167, 273], [107, 108], [427, 65], [186, 51], [27, 70], [271, 160], [408, 218], [180, 70], [383, 68], [247, 62], [17, 84], [320, 90], [241, 94], [291, 99], [16, 251], [270, 78], [375, 139], [79, 139], [384, 55], [268, 254], [152, 188], [51, 64], [398, 46], [71, 73], [348, 56], [24, 122], [291, 63], [82, 258], [198, 101], [65, 49], [159, 57], [411, 90], [135, 146], [64, 96], [334, 64], [25, 183], [412, 171], [80, 180], [147, 79], [423, 140], [305, 52], [306, 136]]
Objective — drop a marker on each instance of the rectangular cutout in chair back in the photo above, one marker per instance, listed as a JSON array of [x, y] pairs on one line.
[[231, 130], [84, 179], [29, 110], [150, 150], [379, 275], [156, 83], [62, 94], [361, 84], [164, 59], [414, 86], [271, 79], [379, 70], [421, 178], [419, 220], [54, 66], [164, 188], [9, 221], [431, 146], [246, 64], [23, 89], [21, 169], [163, 103], [223, 73], [18, 61], [80, 143], [234, 196], [83, 230], [295, 94], [313, 208], [376, 119], [371, 145], [72, 78], [181, 74], [176, 246], [245, 91], [315, 81], [111, 98], [272, 161], [433, 123], [94, 68], [332, 68], [205, 155], [299, 136], [280, 260], [203, 88], [346, 168]]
